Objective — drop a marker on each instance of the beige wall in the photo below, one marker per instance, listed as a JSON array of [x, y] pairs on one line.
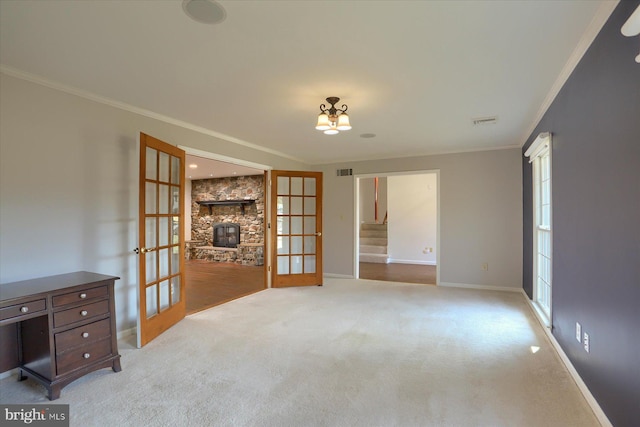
[[480, 215], [69, 184]]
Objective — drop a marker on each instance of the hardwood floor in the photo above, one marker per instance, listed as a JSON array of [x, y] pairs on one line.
[[408, 273], [211, 283]]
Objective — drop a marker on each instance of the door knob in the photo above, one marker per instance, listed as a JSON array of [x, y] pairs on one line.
[[319, 233], [141, 250]]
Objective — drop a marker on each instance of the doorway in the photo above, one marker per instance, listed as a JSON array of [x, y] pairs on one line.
[[215, 273], [397, 225]]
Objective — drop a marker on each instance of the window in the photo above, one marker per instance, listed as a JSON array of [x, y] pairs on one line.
[[539, 154]]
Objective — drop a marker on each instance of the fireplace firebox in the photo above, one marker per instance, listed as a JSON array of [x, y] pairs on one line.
[[226, 234]]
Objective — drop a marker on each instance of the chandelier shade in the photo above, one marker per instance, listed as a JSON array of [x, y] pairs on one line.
[[332, 120]]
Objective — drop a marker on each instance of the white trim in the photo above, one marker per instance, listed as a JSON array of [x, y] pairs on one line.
[[214, 156], [589, 35], [411, 261], [536, 148], [136, 110], [586, 393], [338, 276], [126, 333], [422, 154], [9, 373], [478, 287]]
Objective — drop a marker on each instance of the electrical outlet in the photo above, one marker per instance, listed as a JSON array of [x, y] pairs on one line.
[[586, 342], [578, 332], [485, 266]]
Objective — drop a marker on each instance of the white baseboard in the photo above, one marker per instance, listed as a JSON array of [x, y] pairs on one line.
[[126, 333], [409, 261], [8, 373], [338, 276], [479, 287], [586, 393]]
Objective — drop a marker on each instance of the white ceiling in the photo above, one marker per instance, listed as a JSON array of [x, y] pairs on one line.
[[414, 73]]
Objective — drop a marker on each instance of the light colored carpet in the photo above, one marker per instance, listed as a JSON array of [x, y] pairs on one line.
[[350, 353]]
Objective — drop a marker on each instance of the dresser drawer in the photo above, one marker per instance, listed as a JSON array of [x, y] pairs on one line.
[[82, 312], [82, 356], [82, 335], [78, 296], [23, 309]]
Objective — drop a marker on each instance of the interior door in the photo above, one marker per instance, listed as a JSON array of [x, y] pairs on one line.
[[296, 238], [161, 238]]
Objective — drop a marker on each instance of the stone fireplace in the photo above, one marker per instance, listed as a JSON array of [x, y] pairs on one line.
[[227, 220]]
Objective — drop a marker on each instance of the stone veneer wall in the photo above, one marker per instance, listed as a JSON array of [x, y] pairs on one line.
[[232, 188]]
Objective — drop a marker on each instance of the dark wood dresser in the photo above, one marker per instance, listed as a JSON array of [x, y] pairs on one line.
[[58, 328]]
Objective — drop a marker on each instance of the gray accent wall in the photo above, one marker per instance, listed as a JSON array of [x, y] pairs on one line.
[[595, 121]]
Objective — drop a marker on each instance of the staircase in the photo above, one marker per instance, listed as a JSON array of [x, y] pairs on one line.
[[373, 243]]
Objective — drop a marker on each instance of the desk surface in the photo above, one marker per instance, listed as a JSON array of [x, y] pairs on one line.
[[14, 290]]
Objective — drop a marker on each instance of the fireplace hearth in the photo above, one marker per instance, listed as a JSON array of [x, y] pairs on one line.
[[226, 234]]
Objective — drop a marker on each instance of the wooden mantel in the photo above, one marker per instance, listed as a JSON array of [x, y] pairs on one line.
[[240, 202]]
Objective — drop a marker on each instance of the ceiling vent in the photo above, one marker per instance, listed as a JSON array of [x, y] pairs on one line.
[[344, 172], [485, 120]]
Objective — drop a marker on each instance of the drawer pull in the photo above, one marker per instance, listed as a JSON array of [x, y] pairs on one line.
[[85, 335], [84, 312], [83, 296], [86, 355], [24, 309]]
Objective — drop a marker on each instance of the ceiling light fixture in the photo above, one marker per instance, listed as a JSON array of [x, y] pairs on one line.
[[332, 120]]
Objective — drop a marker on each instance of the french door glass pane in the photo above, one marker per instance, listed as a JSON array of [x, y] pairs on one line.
[[150, 232], [164, 231], [310, 264], [310, 186], [283, 185], [151, 162], [309, 244], [283, 225], [296, 206], [175, 170], [309, 205], [296, 225], [175, 289], [175, 200], [175, 230], [296, 186], [283, 205], [296, 265], [296, 244], [150, 198], [163, 254], [309, 225], [150, 264], [164, 167], [164, 295], [175, 259], [164, 199], [283, 264], [152, 301], [283, 244]]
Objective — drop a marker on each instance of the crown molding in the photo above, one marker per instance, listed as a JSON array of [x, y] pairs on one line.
[[33, 78], [594, 27]]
